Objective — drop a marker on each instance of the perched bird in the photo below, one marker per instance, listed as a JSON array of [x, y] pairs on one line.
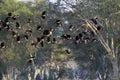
[[44, 14]]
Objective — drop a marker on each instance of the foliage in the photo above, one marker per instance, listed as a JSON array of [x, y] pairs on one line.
[[91, 57], [17, 8]]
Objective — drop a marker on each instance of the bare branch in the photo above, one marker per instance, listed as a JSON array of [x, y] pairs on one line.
[[100, 37]]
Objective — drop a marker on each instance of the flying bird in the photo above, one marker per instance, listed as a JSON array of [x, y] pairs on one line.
[[44, 14], [68, 51], [9, 14], [39, 28], [31, 59], [14, 34], [2, 45], [17, 25], [94, 20], [18, 39], [58, 22]]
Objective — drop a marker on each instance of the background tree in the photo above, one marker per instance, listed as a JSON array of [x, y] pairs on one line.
[[92, 58]]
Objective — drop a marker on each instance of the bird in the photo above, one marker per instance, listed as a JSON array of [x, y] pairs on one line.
[[85, 33], [26, 37], [3, 24], [38, 39], [66, 36], [38, 27], [0, 28], [14, 34], [48, 32], [18, 39], [78, 38], [68, 51], [2, 45], [15, 17], [44, 14], [9, 14], [17, 25], [99, 27], [80, 35], [41, 40], [29, 20], [54, 41], [86, 39], [51, 31], [58, 22], [42, 43], [92, 33], [48, 40], [71, 27], [29, 31], [7, 20], [93, 40], [94, 20], [7, 28], [31, 58]]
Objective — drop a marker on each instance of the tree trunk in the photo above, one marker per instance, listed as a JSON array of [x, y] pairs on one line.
[[115, 69], [112, 53]]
